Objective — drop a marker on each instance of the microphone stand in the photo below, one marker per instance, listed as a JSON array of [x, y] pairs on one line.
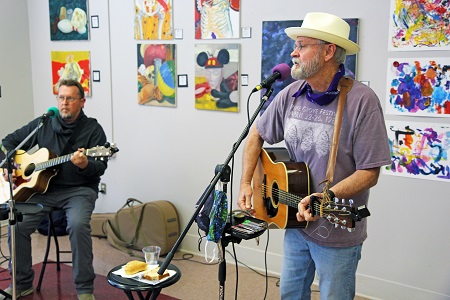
[[12, 210], [221, 172]]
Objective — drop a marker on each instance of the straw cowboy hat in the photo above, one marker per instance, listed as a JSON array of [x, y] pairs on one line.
[[326, 27]]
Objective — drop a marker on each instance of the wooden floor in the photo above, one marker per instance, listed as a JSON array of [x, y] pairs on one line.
[[199, 280]]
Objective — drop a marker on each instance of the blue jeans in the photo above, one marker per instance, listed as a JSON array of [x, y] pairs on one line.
[[336, 268]]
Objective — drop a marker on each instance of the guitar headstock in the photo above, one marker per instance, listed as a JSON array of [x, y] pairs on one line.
[[335, 211], [101, 152]]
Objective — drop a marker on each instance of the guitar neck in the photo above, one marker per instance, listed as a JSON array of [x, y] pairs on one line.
[[53, 162]]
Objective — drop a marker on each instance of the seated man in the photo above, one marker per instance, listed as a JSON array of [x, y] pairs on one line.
[[74, 188]]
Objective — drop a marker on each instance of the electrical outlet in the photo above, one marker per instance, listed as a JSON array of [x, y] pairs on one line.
[[102, 188]]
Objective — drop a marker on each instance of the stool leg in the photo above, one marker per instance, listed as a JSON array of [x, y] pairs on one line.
[[44, 263], [55, 237]]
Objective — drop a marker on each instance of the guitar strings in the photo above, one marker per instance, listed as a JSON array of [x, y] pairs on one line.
[[323, 210], [283, 196]]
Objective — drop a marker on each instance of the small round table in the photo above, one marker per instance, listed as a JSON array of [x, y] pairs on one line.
[[130, 285]]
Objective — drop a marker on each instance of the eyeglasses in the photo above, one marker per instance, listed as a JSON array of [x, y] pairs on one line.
[[67, 98], [299, 47]]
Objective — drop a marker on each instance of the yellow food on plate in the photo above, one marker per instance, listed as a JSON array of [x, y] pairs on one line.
[[153, 274], [135, 266]]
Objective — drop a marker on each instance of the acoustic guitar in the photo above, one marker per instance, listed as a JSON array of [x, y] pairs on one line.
[[34, 171], [279, 184]]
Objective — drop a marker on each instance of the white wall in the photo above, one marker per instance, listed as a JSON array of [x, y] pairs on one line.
[[16, 101], [171, 153]]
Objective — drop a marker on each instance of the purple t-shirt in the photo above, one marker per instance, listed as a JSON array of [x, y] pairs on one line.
[[307, 130]]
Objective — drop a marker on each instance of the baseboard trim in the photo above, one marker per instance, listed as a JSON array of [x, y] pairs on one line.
[[366, 286]]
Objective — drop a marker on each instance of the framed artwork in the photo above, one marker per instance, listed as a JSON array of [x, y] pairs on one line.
[[419, 25], [153, 20], [273, 34], [217, 19], [71, 65], [68, 20], [418, 87], [419, 150], [217, 77], [156, 70]]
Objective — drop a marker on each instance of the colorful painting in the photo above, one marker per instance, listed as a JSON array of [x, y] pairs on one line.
[[74, 65], [217, 19], [68, 20], [419, 150], [273, 34], [153, 20], [419, 87], [419, 25], [217, 77], [156, 74]]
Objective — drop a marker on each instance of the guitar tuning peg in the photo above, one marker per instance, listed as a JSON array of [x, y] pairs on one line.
[[343, 227], [336, 200], [336, 225], [344, 222], [350, 202], [343, 200], [344, 208], [350, 229]]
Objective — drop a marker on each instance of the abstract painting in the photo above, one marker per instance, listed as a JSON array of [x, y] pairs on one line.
[[419, 150], [156, 74], [273, 34], [153, 20], [217, 19], [217, 77], [68, 20], [419, 25], [74, 65], [419, 87]]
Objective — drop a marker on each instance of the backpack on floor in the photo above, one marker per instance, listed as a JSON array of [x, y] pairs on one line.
[[139, 224], [59, 222]]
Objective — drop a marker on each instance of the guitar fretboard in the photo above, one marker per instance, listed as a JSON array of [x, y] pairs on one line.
[[53, 162]]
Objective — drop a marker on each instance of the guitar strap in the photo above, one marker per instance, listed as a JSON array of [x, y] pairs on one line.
[[73, 137], [345, 84]]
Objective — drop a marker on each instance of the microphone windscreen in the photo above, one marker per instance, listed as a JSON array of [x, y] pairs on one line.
[[284, 70], [53, 112]]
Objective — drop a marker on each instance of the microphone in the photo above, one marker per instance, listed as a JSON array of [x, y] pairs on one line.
[[52, 112], [279, 72]]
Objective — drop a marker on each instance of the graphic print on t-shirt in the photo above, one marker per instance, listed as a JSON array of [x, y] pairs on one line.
[[310, 128]]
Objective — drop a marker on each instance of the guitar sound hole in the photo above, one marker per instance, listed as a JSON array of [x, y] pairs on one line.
[[275, 195], [272, 203], [29, 170]]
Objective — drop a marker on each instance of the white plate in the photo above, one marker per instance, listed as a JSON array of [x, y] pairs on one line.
[[138, 276]]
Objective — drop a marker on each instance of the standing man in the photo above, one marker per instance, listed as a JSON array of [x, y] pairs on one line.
[[300, 115], [74, 188]]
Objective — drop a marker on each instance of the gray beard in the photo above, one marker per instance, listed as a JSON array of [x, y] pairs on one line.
[[307, 70], [66, 116]]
